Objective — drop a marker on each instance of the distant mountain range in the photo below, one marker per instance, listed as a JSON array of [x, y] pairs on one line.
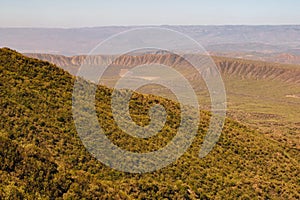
[[264, 42], [227, 66], [286, 58]]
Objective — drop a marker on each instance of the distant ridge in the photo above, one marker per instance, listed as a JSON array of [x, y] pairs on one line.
[[254, 39], [228, 66]]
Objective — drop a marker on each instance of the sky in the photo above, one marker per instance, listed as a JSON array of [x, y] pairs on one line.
[[91, 13]]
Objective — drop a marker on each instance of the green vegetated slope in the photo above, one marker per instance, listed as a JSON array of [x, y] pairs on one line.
[[42, 156], [263, 95]]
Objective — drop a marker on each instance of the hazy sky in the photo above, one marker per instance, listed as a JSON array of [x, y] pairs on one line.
[[83, 13]]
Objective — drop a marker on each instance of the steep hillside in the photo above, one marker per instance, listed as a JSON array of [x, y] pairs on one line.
[[42, 156]]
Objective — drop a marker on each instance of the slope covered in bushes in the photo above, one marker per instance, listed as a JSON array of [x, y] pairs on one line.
[[41, 155]]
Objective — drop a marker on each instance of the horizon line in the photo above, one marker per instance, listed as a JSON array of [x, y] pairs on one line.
[[140, 25]]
